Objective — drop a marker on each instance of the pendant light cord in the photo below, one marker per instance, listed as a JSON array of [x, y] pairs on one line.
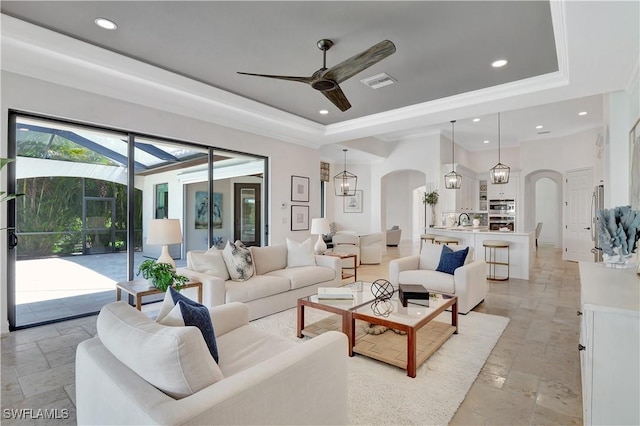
[[453, 143], [499, 138]]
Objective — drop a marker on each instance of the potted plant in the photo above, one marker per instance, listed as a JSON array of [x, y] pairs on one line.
[[161, 275], [476, 220], [431, 198]]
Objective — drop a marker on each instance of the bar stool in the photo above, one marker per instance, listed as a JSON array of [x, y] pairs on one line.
[[441, 239], [492, 261], [426, 237]]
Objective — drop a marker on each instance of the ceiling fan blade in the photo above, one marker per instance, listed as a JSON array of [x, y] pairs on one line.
[[337, 97], [307, 80], [363, 60]]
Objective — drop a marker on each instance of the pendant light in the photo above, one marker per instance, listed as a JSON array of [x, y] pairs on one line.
[[452, 180], [499, 173], [345, 183]]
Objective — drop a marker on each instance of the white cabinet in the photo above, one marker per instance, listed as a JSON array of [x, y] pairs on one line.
[[467, 195], [610, 344], [505, 191]]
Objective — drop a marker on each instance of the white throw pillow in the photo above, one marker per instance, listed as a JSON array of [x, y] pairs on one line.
[[300, 254], [210, 262], [175, 360], [238, 260]]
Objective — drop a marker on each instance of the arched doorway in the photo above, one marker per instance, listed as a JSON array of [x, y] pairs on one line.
[[543, 191], [401, 203]]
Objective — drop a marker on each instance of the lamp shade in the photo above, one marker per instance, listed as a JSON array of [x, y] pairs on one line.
[[164, 231], [320, 225]]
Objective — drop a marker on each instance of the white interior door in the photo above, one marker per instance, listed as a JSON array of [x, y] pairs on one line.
[[577, 218]]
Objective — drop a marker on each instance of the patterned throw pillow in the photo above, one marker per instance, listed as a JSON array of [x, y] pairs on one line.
[[451, 260], [238, 259], [186, 312]]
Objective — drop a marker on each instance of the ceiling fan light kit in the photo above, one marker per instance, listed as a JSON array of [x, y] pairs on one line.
[[499, 174], [327, 80], [452, 180], [345, 183]]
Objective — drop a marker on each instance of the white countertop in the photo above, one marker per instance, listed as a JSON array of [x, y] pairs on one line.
[[610, 287], [480, 229]]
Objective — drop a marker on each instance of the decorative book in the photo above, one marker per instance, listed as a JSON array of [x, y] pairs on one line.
[[343, 293]]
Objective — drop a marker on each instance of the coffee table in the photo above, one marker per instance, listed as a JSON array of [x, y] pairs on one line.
[[362, 295], [423, 335]]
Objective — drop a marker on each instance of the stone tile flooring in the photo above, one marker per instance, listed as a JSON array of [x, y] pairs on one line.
[[532, 376]]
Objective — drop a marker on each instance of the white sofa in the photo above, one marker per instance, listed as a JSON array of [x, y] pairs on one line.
[[266, 379], [274, 287], [469, 282]]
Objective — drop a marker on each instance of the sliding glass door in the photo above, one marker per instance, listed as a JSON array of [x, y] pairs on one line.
[[72, 179], [89, 195]]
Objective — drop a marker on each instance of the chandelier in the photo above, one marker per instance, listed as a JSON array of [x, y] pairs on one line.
[[452, 180], [345, 183], [499, 174]]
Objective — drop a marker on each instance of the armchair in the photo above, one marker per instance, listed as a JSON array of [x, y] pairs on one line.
[[469, 282], [393, 236], [347, 242], [371, 248]]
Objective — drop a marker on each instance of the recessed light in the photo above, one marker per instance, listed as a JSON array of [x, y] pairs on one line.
[[539, 127], [485, 142], [582, 113], [324, 111], [475, 120], [499, 63], [105, 23]]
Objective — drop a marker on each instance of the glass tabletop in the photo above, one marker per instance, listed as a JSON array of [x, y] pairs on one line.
[[413, 313], [361, 294]]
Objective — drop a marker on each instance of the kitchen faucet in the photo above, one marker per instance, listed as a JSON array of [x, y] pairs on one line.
[[460, 219]]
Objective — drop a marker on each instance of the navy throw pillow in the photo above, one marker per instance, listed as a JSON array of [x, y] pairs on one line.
[[451, 260], [197, 315]]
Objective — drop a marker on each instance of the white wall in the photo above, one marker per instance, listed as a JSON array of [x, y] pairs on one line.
[[547, 212]]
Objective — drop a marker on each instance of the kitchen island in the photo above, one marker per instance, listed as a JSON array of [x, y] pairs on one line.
[[521, 249]]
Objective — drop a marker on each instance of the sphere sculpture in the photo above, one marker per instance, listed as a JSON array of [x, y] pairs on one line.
[[382, 290]]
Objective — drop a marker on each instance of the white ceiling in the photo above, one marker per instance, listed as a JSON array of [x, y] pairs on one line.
[[562, 57]]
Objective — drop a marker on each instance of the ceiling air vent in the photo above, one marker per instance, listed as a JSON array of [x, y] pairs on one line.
[[379, 80]]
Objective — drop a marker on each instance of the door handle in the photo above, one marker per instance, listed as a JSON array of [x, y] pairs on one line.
[[588, 228], [12, 240], [581, 347]]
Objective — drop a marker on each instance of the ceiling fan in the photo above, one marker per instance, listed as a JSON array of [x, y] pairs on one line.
[[327, 80]]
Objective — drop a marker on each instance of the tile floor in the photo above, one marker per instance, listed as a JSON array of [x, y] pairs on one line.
[[532, 376]]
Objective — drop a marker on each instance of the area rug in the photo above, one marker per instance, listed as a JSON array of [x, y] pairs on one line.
[[383, 394]]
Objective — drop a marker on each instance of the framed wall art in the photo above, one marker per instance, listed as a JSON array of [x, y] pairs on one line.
[[299, 218], [300, 188], [353, 203]]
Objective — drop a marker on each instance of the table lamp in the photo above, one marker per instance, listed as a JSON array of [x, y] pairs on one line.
[[319, 226], [165, 232]]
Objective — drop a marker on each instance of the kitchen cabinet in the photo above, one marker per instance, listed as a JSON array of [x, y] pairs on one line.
[[609, 344], [505, 191], [466, 196]]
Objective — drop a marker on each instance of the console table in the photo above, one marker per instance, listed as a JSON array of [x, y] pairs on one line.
[[609, 344]]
